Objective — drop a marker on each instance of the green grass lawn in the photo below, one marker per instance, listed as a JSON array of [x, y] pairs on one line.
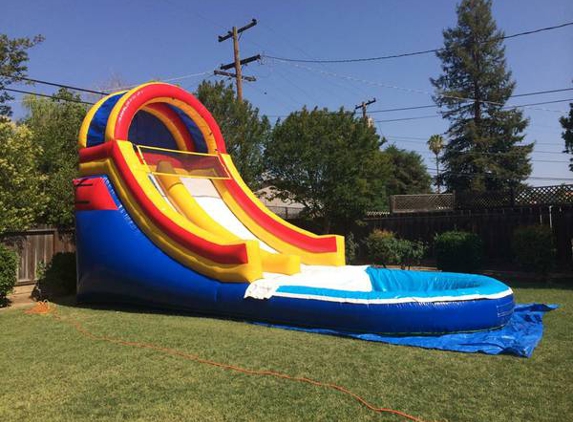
[[49, 372]]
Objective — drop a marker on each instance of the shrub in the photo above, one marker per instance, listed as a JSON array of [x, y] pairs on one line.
[[533, 248], [413, 252], [58, 278], [384, 248], [458, 251], [351, 248], [8, 268]]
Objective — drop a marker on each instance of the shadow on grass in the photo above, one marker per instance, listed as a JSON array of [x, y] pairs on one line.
[[147, 309], [71, 302]]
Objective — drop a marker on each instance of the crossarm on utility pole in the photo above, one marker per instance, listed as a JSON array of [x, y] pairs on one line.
[[364, 105], [232, 75]]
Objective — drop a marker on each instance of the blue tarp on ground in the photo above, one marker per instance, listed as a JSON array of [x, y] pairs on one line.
[[519, 337]]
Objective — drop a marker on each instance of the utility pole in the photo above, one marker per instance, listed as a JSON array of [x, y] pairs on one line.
[[237, 63], [363, 106]]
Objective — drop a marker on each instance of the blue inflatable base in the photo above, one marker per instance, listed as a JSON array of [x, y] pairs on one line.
[[519, 337]]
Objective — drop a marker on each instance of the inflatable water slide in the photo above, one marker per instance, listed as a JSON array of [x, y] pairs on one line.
[[163, 219]]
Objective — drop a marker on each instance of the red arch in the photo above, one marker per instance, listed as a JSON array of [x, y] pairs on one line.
[[147, 93]]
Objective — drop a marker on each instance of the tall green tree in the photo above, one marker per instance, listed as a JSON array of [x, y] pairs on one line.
[[13, 65], [436, 146], [567, 135], [482, 153], [21, 196], [245, 132], [331, 163], [409, 174], [55, 123]]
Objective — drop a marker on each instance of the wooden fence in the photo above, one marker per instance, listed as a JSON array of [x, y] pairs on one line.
[[35, 247], [494, 226]]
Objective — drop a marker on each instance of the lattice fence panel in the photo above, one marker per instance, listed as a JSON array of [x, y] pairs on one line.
[[521, 197], [545, 195], [529, 196], [421, 203]]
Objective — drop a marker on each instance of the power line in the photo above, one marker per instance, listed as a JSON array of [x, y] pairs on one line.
[[428, 116], [74, 88], [541, 103], [399, 88], [423, 142], [414, 53], [192, 75], [373, 111], [90, 103], [417, 139], [493, 176], [549, 91], [277, 71], [437, 115], [496, 176], [474, 153], [389, 110], [54, 97], [177, 78], [91, 91]]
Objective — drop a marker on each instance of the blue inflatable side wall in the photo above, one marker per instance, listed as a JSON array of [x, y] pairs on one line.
[[118, 263]]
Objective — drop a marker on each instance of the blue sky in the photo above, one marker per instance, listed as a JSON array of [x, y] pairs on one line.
[[87, 43]]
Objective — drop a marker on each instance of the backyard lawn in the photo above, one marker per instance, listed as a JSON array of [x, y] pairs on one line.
[[50, 372]]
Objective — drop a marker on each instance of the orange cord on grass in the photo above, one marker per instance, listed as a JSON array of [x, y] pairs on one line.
[[41, 307], [46, 308]]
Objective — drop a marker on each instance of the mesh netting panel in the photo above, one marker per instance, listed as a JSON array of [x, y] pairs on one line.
[[182, 163]]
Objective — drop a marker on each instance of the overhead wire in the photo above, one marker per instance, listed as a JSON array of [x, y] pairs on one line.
[[391, 139], [412, 90], [288, 80], [415, 53], [429, 154], [55, 97], [496, 176], [204, 73], [401, 119], [373, 111], [305, 53], [547, 91], [389, 110], [98, 92], [417, 139], [60, 85]]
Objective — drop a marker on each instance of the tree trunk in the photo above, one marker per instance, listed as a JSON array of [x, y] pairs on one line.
[[327, 225], [438, 174]]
